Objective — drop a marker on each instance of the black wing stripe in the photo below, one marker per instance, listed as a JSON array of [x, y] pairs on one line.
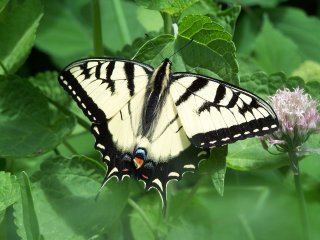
[[129, 70], [73, 87], [197, 85], [109, 71]]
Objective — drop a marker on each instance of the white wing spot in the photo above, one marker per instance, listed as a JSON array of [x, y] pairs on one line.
[[237, 135], [158, 182], [273, 126], [74, 92], [256, 130], [173, 174], [65, 82], [99, 145], [107, 158], [96, 130], [247, 132], [79, 99], [113, 171], [69, 86], [84, 106], [265, 128], [189, 166], [212, 142], [201, 153], [225, 139], [202, 144]]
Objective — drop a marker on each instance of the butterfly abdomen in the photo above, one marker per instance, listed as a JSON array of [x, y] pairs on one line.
[[156, 94]]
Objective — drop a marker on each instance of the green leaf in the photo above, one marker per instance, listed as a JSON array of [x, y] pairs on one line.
[[228, 18], [28, 126], [274, 51], [64, 193], [212, 49], [171, 7], [302, 29], [9, 192], [266, 85], [261, 3], [212, 46], [74, 18], [243, 156], [19, 21], [309, 71], [144, 15], [30, 220], [218, 156]]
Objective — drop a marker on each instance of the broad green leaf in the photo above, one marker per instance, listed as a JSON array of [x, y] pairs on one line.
[[19, 21], [211, 52], [220, 167], [47, 82], [309, 71], [9, 191], [246, 32], [202, 7], [302, 29], [171, 7], [120, 26], [243, 156], [261, 3], [64, 193], [144, 15], [257, 205], [265, 85], [274, 51], [28, 126], [212, 46], [30, 220], [228, 18]]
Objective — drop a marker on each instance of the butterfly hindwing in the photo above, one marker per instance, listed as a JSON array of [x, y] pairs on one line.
[[214, 113]]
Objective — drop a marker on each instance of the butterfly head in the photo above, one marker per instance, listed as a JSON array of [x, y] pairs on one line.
[[139, 157]]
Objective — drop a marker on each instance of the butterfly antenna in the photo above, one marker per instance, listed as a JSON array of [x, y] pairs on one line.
[[180, 49], [153, 45]]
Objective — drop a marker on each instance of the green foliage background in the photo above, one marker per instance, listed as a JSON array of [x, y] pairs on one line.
[[50, 173]]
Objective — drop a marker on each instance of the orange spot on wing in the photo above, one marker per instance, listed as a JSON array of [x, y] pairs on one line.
[[138, 162], [144, 176]]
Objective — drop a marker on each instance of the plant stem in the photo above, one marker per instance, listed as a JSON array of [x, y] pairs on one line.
[[97, 33], [302, 203], [122, 21], [167, 23]]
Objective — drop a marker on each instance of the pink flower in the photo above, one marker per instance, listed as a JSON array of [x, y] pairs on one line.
[[298, 117]]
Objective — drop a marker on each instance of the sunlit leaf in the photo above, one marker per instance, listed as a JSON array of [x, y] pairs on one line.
[[19, 21], [64, 194], [28, 126]]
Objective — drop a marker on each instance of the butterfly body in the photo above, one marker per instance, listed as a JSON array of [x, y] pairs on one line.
[[145, 120]]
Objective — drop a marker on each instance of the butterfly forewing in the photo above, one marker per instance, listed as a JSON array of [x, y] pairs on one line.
[[101, 87], [214, 113]]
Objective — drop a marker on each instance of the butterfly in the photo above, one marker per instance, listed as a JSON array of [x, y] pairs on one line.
[[144, 119]]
